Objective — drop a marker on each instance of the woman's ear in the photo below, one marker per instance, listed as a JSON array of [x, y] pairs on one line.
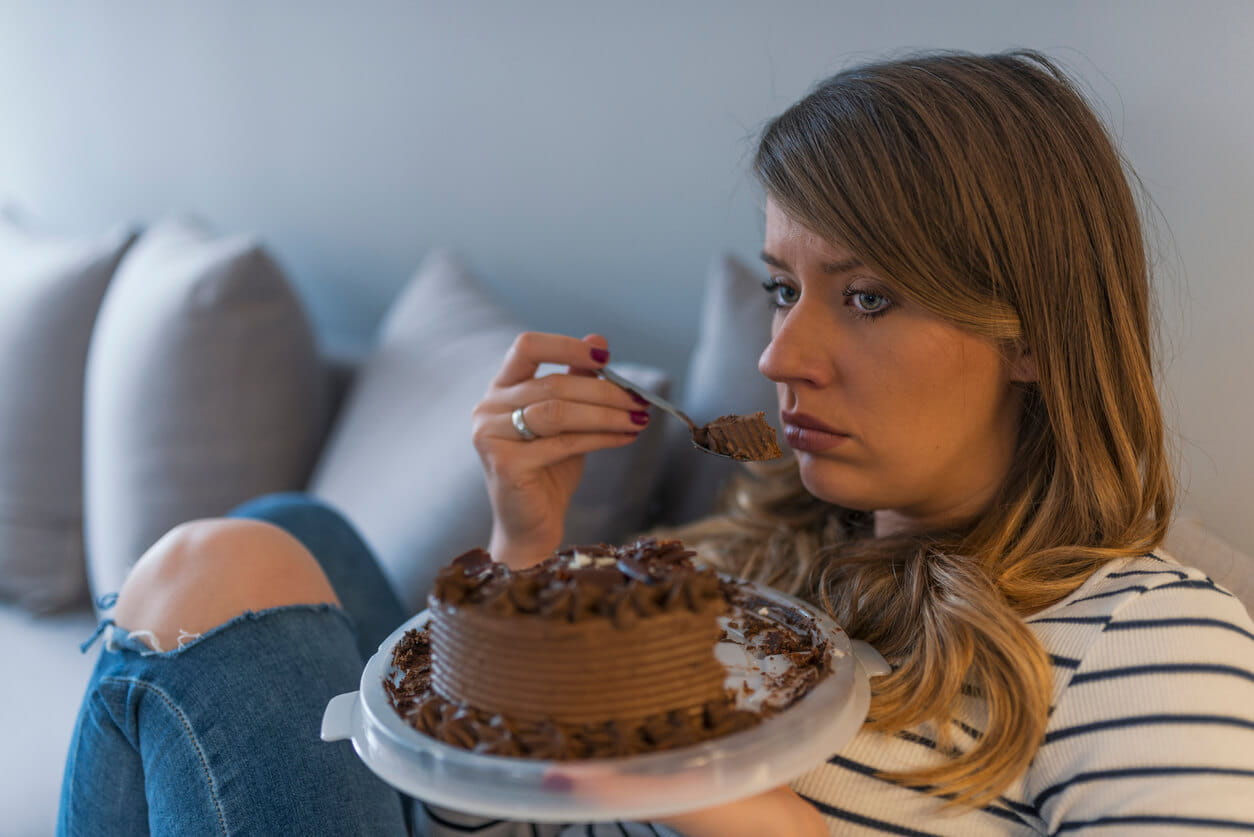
[[1022, 363]]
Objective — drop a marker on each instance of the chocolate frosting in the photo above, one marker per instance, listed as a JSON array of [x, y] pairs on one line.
[[592, 634], [503, 734], [621, 584]]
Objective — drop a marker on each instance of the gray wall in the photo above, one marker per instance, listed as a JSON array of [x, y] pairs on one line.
[[588, 158]]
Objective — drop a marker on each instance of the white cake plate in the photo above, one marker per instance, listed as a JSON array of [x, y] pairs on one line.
[[642, 787]]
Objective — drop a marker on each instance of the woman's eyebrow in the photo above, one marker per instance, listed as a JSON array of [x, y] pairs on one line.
[[831, 268]]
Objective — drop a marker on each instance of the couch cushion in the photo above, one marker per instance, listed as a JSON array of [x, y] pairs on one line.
[[204, 388], [50, 291], [400, 462], [722, 378]]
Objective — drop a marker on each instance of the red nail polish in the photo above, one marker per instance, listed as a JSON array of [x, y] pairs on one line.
[[639, 417], [637, 398], [601, 355], [557, 782]]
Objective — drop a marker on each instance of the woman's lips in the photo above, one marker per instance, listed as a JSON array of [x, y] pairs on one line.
[[806, 433], [810, 440]]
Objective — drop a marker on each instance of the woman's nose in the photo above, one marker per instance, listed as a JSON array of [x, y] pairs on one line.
[[793, 354]]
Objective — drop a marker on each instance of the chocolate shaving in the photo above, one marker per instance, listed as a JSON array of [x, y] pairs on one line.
[[777, 641]]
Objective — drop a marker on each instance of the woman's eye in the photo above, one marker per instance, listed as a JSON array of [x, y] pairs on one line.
[[867, 304], [782, 294]]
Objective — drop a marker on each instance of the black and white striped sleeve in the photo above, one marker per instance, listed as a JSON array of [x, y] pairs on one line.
[[1154, 733]]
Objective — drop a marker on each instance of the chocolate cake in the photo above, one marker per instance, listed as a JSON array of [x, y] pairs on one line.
[[596, 651], [747, 438]]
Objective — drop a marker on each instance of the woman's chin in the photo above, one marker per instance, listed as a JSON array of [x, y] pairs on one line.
[[831, 488]]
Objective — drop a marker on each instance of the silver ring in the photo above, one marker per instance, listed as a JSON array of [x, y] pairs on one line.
[[521, 425]]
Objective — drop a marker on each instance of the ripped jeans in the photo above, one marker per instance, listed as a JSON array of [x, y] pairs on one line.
[[221, 735]]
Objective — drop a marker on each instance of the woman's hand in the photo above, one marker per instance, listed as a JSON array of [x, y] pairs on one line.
[[777, 812], [530, 482]]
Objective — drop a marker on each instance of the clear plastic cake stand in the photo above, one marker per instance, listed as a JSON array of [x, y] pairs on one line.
[[643, 787]]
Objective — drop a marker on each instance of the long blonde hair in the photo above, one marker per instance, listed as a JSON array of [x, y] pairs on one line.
[[988, 190]]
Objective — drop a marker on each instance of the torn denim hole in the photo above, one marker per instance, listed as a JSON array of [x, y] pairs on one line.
[[187, 636], [119, 639]]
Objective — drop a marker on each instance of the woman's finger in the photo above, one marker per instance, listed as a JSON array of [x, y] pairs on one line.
[[532, 348], [561, 387], [550, 418], [615, 786], [594, 341], [515, 456]]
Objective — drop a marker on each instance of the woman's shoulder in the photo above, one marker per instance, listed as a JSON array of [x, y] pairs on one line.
[[1141, 622], [1151, 584], [1154, 684]]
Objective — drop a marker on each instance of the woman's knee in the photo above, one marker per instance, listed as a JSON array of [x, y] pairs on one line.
[[203, 573], [302, 515], [309, 519]]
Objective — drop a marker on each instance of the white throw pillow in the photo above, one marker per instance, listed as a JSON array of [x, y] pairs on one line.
[[722, 379], [204, 389], [400, 461], [50, 291]]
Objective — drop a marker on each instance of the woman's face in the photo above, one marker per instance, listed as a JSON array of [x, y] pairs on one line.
[[888, 407]]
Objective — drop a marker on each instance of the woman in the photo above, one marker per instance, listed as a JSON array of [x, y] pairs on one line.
[[962, 351]]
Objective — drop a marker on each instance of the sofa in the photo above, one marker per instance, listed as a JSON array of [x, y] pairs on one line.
[[167, 374]]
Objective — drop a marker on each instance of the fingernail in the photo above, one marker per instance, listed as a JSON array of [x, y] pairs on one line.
[[637, 398], [557, 782], [639, 417], [601, 355]]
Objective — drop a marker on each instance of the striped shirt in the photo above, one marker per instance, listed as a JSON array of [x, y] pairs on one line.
[[1151, 729]]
